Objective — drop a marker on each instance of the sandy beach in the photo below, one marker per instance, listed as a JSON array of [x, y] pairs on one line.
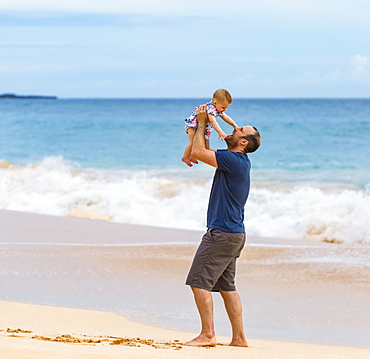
[[33, 331], [106, 290]]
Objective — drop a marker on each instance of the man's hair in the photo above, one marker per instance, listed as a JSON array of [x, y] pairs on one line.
[[254, 141], [222, 95]]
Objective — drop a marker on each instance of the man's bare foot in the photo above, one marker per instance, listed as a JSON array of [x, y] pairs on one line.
[[187, 161], [202, 341], [239, 343]]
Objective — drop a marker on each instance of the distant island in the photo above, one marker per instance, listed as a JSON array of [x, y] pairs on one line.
[[12, 95]]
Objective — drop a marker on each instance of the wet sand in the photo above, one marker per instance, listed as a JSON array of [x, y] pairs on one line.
[[292, 291]]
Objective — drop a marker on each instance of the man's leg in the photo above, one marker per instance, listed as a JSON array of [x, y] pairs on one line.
[[204, 302], [234, 310]]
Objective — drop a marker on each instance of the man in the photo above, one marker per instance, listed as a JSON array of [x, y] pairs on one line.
[[213, 267]]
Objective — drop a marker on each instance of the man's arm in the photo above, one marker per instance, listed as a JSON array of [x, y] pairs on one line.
[[199, 150]]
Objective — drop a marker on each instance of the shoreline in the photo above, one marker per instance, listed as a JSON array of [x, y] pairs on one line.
[[34, 331], [294, 291], [88, 231]]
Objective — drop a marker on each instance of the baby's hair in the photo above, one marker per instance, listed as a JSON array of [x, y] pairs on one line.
[[222, 95]]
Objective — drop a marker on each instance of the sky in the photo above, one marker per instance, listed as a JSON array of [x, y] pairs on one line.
[[185, 49]]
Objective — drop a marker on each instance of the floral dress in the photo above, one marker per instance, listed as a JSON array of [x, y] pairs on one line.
[[191, 121]]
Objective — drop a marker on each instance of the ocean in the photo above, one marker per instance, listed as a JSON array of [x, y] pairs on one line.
[[120, 160]]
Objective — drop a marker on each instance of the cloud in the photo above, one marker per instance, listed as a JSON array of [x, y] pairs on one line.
[[39, 46], [353, 10], [360, 67], [264, 45], [358, 71], [33, 68], [159, 7], [69, 19], [316, 78]]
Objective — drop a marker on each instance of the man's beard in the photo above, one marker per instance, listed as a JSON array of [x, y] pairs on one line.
[[231, 142]]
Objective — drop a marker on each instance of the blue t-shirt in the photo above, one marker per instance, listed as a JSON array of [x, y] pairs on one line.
[[229, 193]]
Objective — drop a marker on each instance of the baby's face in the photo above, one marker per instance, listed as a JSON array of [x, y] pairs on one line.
[[221, 106]]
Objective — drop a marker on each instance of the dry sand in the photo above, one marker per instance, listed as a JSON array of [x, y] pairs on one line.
[[40, 332]]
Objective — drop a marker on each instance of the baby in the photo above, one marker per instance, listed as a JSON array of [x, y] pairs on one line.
[[221, 100]]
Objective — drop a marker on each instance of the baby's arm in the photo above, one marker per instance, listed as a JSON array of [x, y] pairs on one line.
[[229, 120], [216, 126]]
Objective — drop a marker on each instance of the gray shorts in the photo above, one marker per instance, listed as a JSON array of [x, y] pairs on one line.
[[214, 264]]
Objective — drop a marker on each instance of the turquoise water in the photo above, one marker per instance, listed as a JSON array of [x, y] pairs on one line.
[[298, 135], [122, 158]]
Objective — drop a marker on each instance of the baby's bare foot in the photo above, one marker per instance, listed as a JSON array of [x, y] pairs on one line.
[[187, 161]]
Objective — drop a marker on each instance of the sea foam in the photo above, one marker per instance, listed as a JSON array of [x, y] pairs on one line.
[[294, 210]]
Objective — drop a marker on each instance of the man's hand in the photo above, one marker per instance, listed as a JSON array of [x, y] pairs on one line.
[[202, 116], [199, 150]]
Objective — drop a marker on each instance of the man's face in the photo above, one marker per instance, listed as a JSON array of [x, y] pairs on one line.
[[238, 133]]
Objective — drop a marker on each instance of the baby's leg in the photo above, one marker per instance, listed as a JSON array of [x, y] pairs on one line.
[[187, 153], [186, 156]]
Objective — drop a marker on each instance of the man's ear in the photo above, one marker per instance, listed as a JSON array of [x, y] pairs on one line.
[[243, 142]]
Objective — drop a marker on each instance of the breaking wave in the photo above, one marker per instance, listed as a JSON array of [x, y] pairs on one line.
[[289, 210]]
